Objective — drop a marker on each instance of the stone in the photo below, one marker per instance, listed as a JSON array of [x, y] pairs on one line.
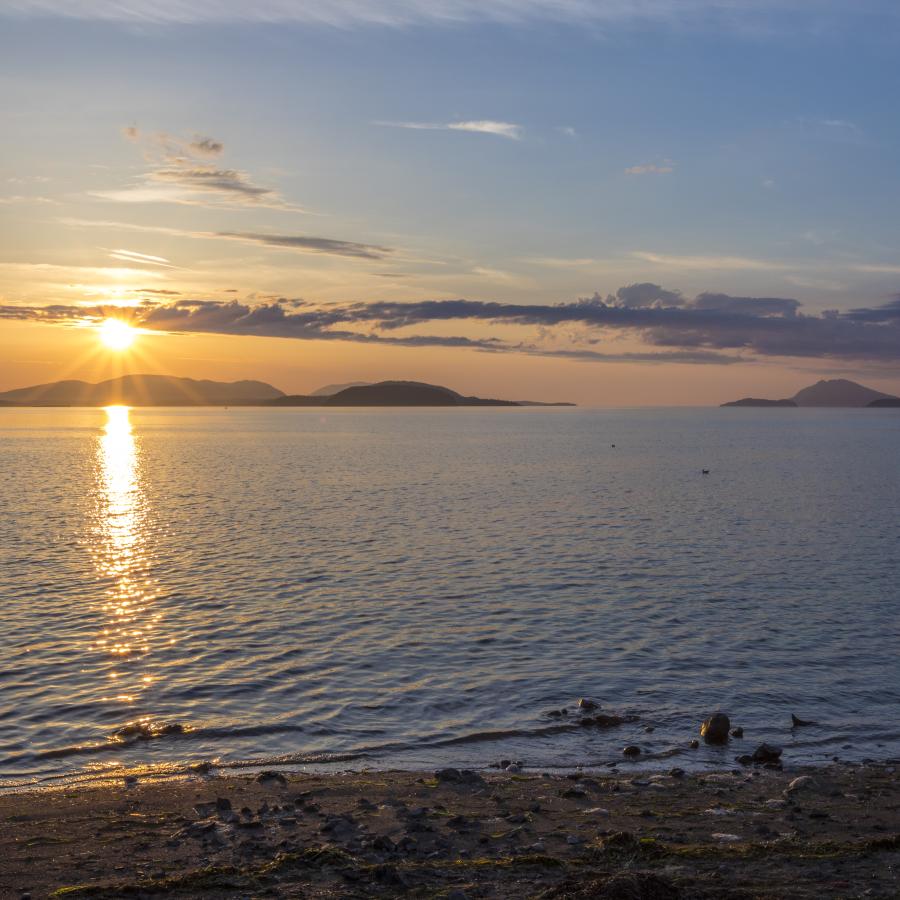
[[714, 730], [694, 744], [737, 732], [631, 751], [805, 784], [799, 723], [767, 753], [268, 777], [586, 704]]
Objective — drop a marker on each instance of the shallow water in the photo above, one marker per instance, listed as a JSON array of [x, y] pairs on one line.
[[414, 588]]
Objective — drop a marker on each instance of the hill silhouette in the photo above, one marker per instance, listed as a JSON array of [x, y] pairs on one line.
[[394, 393], [329, 390], [835, 392], [755, 401], [885, 403], [165, 390], [838, 392], [142, 390]]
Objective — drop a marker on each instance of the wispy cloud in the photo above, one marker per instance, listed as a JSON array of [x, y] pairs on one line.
[[706, 263], [180, 172], [400, 13], [477, 126], [132, 256], [651, 169], [298, 242], [27, 198], [307, 244]]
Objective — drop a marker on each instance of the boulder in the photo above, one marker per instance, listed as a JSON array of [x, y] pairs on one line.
[[767, 753], [714, 730]]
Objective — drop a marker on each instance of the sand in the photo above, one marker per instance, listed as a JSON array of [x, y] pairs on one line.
[[739, 834]]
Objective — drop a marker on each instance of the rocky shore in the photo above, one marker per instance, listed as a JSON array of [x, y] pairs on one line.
[[747, 833]]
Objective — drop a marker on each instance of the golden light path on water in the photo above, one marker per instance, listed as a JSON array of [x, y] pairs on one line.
[[120, 553]]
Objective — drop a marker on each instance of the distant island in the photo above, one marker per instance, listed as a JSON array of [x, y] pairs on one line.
[[836, 392], [165, 390]]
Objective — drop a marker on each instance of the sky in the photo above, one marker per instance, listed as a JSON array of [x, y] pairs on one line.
[[614, 202]]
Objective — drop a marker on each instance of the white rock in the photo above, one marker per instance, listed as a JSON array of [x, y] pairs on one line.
[[725, 838]]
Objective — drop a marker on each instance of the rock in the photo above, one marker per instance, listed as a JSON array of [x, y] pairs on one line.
[[805, 784], [631, 751], [676, 773], [714, 730], [799, 723], [202, 768], [767, 753], [586, 704], [572, 794], [389, 876], [625, 886], [737, 732], [223, 804], [513, 769], [268, 777], [130, 780], [725, 838], [459, 776], [694, 744]]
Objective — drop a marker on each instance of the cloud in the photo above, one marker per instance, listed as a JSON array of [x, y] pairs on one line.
[[732, 14], [132, 256], [309, 244], [206, 146], [26, 198], [636, 296], [180, 172], [650, 169], [712, 328], [477, 126], [301, 243], [706, 263]]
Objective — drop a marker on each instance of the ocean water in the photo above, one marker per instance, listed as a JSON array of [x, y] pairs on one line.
[[405, 589]]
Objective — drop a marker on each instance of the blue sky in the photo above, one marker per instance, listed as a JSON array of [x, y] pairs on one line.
[[559, 150]]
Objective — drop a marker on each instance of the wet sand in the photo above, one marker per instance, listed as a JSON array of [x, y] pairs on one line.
[[739, 834]]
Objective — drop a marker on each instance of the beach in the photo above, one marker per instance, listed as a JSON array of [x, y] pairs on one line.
[[745, 833]]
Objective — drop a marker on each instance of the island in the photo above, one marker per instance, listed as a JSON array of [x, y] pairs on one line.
[[165, 390], [834, 392], [755, 401]]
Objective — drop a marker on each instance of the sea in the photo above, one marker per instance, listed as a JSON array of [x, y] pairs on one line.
[[407, 589]]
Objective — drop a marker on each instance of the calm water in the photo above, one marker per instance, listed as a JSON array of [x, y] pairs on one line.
[[409, 588]]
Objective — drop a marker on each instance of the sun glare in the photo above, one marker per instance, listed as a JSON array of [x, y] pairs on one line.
[[116, 334]]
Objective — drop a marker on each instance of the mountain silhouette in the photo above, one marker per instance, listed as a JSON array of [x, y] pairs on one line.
[[142, 390], [395, 393], [165, 390], [835, 392], [329, 390]]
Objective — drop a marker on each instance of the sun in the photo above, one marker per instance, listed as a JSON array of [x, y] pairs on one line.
[[116, 334]]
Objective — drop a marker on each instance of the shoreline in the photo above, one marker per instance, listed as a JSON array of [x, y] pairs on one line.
[[734, 833]]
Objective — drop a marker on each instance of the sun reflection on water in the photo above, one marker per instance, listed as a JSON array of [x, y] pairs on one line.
[[121, 556]]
